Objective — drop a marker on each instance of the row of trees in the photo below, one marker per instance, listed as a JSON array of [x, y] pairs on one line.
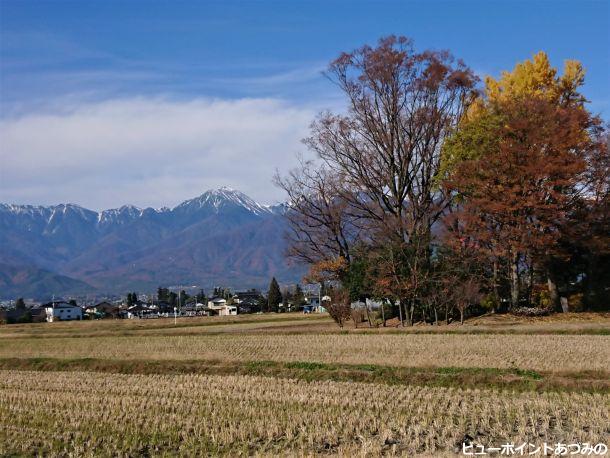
[[271, 303], [182, 298], [437, 195]]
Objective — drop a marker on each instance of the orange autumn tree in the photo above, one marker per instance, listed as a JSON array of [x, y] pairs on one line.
[[516, 165], [327, 270], [333, 270]]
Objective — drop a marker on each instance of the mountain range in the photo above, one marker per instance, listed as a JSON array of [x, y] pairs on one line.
[[222, 237]]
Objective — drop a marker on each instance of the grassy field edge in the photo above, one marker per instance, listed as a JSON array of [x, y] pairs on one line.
[[514, 379]]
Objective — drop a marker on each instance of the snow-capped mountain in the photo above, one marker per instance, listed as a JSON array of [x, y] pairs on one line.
[[223, 199], [221, 237]]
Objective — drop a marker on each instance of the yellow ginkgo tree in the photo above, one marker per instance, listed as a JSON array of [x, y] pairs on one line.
[[533, 78], [537, 78]]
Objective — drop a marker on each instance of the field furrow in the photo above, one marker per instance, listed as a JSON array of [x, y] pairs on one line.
[[114, 414]]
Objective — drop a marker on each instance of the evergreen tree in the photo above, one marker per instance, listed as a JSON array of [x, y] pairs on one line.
[[26, 314], [172, 298], [129, 300], [274, 296], [183, 298], [162, 294], [299, 297], [201, 296]]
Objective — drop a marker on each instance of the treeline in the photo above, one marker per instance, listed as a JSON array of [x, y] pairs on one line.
[[446, 195], [182, 298], [275, 300]]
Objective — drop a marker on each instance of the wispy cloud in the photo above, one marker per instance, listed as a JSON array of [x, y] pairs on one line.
[[38, 67], [148, 150], [291, 76], [22, 91]]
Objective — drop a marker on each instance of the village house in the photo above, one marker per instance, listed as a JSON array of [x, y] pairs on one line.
[[103, 310], [38, 313], [195, 309], [63, 311], [142, 311], [218, 306], [250, 296], [313, 303], [248, 301], [248, 306]]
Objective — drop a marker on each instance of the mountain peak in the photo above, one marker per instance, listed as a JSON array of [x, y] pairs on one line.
[[223, 197], [125, 213]]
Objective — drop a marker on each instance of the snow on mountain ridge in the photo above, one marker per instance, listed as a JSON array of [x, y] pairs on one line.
[[215, 198], [115, 214], [221, 196]]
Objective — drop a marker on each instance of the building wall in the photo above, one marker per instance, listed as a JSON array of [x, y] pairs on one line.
[[64, 313]]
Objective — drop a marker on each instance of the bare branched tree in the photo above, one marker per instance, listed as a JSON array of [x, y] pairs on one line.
[[381, 161], [320, 228], [387, 148]]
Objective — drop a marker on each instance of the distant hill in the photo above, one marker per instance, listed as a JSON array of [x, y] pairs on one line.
[[222, 237], [24, 281]]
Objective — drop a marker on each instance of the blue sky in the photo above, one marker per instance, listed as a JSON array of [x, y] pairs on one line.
[[234, 84]]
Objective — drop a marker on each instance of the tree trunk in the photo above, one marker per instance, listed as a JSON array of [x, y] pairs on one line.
[[368, 316], [514, 282], [495, 286], [435, 316], [402, 323], [553, 293], [565, 307], [411, 312], [530, 286], [461, 316], [383, 313], [590, 280]]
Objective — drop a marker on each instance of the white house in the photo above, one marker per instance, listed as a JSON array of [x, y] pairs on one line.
[[63, 311], [216, 302], [219, 305], [142, 311], [228, 310]]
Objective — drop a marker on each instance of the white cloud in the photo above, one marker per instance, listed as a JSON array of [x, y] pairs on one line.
[[149, 151]]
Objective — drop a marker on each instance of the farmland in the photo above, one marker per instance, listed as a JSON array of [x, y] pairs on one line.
[[296, 384]]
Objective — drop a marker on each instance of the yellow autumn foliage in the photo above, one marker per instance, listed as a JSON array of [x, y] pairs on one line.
[[532, 78], [537, 78]]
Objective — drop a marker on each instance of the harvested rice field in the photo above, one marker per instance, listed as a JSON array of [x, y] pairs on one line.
[[549, 352], [251, 387]]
